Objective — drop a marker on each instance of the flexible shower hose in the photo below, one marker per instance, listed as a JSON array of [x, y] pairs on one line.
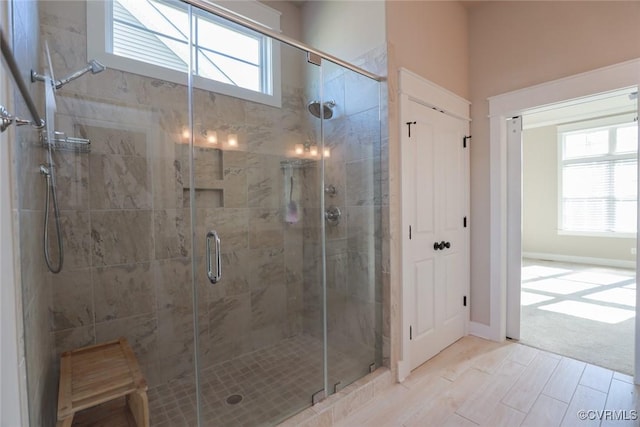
[[51, 190]]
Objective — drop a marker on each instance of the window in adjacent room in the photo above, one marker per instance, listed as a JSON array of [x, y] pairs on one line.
[[598, 177], [151, 38]]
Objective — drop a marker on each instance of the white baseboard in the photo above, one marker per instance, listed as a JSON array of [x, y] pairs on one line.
[[481, 330], [607, 262]]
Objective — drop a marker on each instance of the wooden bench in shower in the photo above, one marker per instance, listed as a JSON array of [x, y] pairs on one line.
[[97, 375]]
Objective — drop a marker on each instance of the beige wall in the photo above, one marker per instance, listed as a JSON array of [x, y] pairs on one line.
[[540, 205], [345, 29], [430, 38], [293, 62], [518, 44], [290, 20]]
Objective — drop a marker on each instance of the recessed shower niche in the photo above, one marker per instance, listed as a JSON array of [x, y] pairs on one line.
[[208, 175]]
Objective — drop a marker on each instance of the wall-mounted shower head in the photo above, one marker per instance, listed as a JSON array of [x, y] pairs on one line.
[[96, 67], [327, 109], [93, 65]]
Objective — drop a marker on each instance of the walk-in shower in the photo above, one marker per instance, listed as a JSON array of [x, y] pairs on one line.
[[163, 165]]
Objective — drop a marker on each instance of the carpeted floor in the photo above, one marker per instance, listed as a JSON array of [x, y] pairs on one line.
[[583, 312]]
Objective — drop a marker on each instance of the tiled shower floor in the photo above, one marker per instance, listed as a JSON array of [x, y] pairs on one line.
[[275, 383]]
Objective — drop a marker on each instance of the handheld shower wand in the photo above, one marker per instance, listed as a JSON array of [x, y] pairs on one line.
[[93, 65]]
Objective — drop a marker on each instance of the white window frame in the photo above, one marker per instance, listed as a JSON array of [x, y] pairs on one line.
[[99, 23], [588, 125]]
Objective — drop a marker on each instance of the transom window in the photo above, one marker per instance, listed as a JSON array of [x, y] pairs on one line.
[[151, 37], [598, 178]]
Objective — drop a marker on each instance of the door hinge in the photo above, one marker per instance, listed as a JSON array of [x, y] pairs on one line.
[[318, 397], [464, 141], [409, 232], [409, 126], [464, 222], [410, 333], [464, 300], [314, 58]]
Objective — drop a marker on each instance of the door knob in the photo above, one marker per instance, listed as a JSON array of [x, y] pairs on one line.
[[442, 245]]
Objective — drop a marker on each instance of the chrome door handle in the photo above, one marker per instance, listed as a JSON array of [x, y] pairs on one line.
[[213, 278]]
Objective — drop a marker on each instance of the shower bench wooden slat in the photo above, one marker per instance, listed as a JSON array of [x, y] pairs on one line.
[[94, 375]]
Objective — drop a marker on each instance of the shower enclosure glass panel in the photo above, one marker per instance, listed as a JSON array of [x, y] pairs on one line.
[[259, 360], [353, 250], [124, 221]]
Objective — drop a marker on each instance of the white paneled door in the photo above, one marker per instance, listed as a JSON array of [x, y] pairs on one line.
[[435, 248]]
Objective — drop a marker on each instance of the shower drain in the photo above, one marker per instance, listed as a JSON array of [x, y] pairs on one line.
[[234, 399]]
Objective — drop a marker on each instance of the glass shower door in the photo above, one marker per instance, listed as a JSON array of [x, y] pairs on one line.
[[253, 191], [352, 201]]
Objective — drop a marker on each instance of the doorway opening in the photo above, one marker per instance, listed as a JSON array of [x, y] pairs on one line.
[[579, 221]]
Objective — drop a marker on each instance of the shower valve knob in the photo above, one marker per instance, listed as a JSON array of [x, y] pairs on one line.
[[330, 190], [332, 215], [6, 120]]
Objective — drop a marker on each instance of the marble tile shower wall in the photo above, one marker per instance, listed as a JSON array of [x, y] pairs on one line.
[[34, 295], [355, 256], [126, 215]]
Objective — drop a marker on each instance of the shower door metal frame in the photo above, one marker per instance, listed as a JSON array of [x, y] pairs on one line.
[[212, 8]]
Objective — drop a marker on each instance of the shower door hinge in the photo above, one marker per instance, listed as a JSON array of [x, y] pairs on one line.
[[464, 222], [314, 58], [464, 301], [409, 126], [409, 232], [318, 397], [464, 141], [410, 332]]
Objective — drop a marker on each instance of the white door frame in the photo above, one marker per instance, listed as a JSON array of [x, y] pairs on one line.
[[504, 245], [416, 88], [514, 225]]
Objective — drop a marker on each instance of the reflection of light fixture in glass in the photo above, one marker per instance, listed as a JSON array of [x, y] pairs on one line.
[[186, 133], [309, 149], [232, 140], [211, 136]]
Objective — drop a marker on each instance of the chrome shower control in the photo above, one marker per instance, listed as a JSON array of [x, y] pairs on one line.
[[330, 190], [332, 215], [6, 120]]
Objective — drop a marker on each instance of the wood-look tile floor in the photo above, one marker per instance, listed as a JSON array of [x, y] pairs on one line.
[[475, 382]]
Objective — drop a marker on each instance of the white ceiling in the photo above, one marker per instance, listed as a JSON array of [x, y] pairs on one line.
[[604, 104]]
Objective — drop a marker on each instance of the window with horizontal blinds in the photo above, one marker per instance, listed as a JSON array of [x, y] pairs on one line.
[[598, 179], [154, 38], [157, 32], [159, 46]]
